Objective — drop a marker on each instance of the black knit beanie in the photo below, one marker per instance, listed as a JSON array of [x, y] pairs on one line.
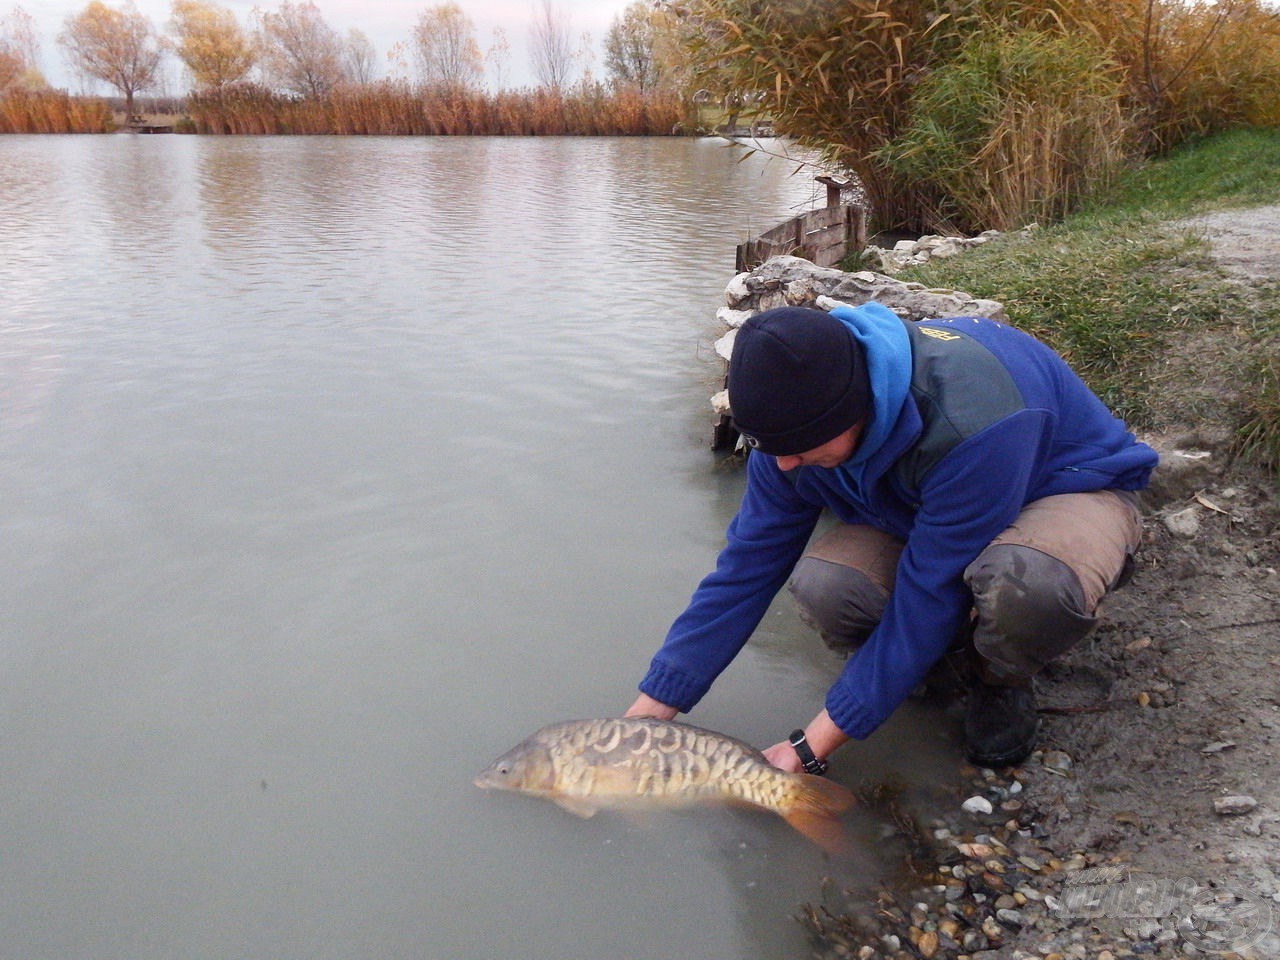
[[797, 379]]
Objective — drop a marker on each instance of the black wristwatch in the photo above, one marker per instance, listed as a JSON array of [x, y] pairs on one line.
[[811, 763]]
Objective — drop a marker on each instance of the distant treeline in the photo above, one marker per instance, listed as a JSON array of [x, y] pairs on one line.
[[384, 109]]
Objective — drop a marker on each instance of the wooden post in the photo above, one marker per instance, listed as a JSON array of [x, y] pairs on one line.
[[857, 227], [834, 186]]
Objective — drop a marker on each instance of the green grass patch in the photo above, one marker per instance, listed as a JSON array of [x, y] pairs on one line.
[[1240, 168], [1126, 297], [1258, 433]]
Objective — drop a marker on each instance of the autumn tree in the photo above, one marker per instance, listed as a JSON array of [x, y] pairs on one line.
[[300, 51], [119, 47], [550, 49], [207, 38], [19, 51], [445, 47], [640, 47]]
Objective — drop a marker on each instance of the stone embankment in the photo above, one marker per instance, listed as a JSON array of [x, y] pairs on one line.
[[793, 282]]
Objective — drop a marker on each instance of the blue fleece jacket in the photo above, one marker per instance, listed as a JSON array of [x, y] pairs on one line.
[[972, 419]]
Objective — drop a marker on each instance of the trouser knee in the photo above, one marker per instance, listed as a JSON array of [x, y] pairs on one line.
[[1030, 608], [842, 603]]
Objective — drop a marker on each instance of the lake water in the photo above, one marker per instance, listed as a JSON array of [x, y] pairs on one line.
[[331, 468]]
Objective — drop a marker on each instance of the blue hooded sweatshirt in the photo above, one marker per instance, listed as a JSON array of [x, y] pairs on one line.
[[972, 420]]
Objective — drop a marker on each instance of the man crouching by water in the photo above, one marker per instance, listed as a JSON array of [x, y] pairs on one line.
[[985, 499]]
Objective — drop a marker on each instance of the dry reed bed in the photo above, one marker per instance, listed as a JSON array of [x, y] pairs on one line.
[[397, 109], [46, 111]]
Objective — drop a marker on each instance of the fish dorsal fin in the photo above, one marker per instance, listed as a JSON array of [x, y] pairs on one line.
[[577, 806]]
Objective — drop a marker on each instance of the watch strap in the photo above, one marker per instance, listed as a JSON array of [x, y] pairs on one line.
[[811, 763]]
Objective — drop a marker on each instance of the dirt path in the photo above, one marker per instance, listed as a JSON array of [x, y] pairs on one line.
[[1148, 824]]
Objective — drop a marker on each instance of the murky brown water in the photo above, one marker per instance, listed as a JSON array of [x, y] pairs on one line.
[[328, 470]]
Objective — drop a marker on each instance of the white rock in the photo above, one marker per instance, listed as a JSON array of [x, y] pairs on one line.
[[1184, 523], [976, 805], [737, 290], [1234, 806], [724, 346], [733, 318], [720, 403]]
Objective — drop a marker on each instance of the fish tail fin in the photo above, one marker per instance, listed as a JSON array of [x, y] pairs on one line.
[[814, 808]]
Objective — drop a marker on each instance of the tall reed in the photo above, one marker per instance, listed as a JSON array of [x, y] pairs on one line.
[[1017, 126], [391, 108], [53, 111], [844, 76]]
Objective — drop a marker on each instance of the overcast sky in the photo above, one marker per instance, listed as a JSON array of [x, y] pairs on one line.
[[385, 22]]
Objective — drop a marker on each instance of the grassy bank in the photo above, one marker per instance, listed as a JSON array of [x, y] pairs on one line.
[[1137, 304]]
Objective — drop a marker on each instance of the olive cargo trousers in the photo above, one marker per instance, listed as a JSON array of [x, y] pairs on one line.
[[1036, 587]]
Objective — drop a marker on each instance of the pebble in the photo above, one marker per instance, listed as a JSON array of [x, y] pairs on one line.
[[1011, 919], [928, 944], [1056, 761], [976, 804], [1234, 805], [1218, 746]]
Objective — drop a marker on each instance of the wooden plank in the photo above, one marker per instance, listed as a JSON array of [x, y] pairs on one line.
[[824, 217], [828, 234], [836, 234]]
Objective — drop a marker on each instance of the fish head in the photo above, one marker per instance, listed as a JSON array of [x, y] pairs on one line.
[[527, 768]]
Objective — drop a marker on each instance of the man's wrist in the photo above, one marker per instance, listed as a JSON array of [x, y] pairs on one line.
[[823, 736], [811, 762]]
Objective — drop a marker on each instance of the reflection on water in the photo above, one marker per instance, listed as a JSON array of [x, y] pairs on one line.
[[329, 468]]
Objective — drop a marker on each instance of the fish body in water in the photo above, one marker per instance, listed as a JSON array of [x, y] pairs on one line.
[[588, 765]]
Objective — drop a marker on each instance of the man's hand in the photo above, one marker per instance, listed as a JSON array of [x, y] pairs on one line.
[[823, 736], [784, 757], [646, 706]]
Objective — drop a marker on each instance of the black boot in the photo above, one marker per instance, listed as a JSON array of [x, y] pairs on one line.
[[999, 724]]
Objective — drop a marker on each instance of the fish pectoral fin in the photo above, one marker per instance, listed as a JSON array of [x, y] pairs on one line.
[[577, 806]]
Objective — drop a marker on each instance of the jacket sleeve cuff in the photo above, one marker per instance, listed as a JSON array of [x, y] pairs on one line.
[[851, 714], [670, 686]]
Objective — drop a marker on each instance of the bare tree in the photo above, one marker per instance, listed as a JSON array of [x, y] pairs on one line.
[[214, 47], [498, 57], [361, 57], [300, 51], [119, 47], [550, 49], [445, 47]]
